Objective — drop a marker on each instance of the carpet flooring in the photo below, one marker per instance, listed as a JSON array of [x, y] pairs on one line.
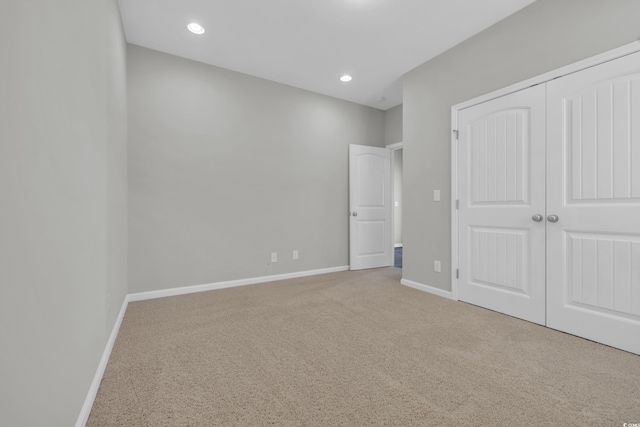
[[354, 349]]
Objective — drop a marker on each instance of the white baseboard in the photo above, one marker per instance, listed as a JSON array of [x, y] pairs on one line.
[[97, 378], [427, 288], [141, 296]]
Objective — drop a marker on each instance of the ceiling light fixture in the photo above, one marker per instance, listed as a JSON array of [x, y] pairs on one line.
[[195, 28], [346, 78]]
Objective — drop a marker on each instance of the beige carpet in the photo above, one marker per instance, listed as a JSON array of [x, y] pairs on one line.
[[354, 349]]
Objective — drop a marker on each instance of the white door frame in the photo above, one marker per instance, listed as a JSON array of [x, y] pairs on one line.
[[393, 147], [543, 78]]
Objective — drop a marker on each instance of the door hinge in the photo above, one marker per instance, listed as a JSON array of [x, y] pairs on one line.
[[455, 132], [457, 204], [457, 273]]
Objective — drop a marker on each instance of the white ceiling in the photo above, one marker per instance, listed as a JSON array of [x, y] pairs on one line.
[[309, 44]]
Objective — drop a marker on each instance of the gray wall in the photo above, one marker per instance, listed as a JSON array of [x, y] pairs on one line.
[[393, 125], [63, 206], [225, 168], [544, 36]]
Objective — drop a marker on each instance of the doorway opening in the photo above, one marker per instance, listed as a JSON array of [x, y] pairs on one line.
[[375, 206], [396, 195]]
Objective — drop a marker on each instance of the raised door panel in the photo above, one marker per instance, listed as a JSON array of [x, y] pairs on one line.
[[370, 191], [499, 148], [601, 148], [499, 259], [601, 273]]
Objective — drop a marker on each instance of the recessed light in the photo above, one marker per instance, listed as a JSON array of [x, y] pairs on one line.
[[346, 78], [195, 28]]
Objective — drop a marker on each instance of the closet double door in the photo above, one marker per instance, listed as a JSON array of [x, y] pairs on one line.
[[549, 204]]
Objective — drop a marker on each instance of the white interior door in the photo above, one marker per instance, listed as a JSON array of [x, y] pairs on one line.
[[370, 227], [593, 265], [501, 188]]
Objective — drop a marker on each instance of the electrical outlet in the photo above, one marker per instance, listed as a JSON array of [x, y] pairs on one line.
[[295, 254], [436, 195], [274, 256], [436, 266]]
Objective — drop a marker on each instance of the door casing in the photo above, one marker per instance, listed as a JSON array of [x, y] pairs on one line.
[[394, 151]]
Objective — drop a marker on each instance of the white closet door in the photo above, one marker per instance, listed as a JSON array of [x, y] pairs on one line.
[[501, 187], [593, 250]]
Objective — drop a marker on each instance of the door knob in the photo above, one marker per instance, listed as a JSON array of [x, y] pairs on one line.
[[354, 213], [537, 217], [553, 218]]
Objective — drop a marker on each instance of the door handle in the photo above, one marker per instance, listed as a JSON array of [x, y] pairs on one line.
[[553, 218], [354, 213], [537, 217]]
